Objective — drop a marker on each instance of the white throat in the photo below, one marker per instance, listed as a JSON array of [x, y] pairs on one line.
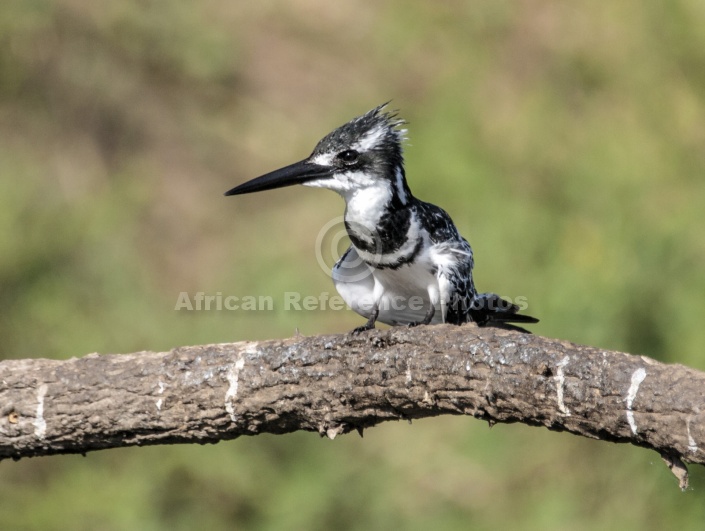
[[366, 196], [367, 205]]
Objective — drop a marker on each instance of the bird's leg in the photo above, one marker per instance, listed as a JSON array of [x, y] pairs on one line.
[[370, 324], [427, 319]]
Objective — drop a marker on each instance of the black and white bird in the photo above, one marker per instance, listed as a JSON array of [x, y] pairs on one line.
[[407, 264]]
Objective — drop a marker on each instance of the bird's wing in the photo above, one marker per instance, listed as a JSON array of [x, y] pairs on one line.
[[354, 282], [454, 262]]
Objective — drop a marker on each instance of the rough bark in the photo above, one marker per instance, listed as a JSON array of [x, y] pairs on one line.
[[335, 384]]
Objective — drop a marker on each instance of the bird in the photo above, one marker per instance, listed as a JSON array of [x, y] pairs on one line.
[[407, 263]]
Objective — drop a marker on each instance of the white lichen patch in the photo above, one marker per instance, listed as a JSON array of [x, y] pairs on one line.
[[560, 383], [233, 377], [40, 424], [160, 402], [637, 377], [692, 445]]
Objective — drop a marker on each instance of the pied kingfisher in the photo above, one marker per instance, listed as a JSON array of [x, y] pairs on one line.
[[407, 264]]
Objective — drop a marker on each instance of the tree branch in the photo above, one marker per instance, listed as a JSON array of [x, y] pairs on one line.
[[335, 384]]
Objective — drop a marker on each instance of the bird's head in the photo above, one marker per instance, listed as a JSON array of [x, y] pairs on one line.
[[366, 152]]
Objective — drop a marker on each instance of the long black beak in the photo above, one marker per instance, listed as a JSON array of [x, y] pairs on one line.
[[296, 173]]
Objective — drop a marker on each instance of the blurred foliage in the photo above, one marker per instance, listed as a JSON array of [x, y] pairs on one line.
[[567, 141]]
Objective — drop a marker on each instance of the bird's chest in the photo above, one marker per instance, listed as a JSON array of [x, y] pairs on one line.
[[413, 278]]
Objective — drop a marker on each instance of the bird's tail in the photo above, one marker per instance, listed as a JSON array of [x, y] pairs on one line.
[[489, 309]]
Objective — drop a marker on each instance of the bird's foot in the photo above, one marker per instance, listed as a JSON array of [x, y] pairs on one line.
[[369, 325], [426, 320], [361, 329]]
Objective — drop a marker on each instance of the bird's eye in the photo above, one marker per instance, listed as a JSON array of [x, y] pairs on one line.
[[349, 156]]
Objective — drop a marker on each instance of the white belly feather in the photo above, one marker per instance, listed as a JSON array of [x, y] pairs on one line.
[[403, 295]]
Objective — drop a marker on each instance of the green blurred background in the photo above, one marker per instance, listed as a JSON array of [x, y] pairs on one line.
[[567, 140]]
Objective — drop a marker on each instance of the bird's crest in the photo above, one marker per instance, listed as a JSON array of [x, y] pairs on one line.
[[374, 129]]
